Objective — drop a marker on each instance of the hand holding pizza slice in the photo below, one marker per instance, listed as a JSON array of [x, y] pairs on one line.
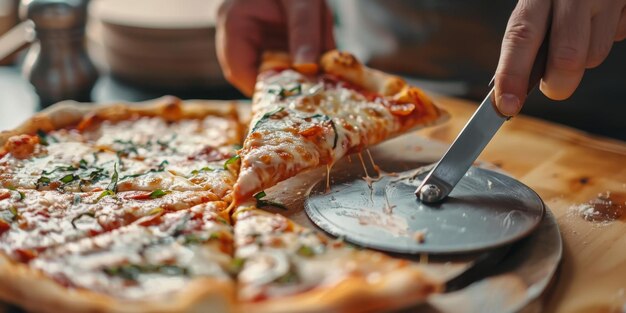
[[303, 121]]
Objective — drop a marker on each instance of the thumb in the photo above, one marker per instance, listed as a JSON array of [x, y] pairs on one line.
[[304, 21], [523, 36]]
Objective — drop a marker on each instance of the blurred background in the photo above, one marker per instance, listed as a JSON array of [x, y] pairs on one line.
[[141, 49]]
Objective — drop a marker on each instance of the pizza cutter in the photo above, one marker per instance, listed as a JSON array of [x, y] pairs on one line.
[[452, 208]]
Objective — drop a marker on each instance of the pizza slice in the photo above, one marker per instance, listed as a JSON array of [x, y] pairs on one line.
[[303, 121], [174, 262], [284, 267], [33, 221]]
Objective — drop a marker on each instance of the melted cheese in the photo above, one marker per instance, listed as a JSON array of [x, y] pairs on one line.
[[50, 218], [283, 259], [283, 142], [138, 262]]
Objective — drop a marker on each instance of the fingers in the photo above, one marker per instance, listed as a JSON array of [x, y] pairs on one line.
[[567, 55], [304, 21], [525, 32], [602, 36], [244, 30], [236, 52]]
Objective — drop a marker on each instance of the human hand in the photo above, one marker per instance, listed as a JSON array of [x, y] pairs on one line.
[[581, 35], [246, 28]]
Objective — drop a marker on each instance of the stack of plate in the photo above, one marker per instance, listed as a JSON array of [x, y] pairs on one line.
[[158, 43]]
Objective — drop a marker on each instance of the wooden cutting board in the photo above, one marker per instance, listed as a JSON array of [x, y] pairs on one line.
[[568, 169]]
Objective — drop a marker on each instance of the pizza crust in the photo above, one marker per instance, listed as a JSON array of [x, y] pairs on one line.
[[30, 289], [397, 289], [71, 113]]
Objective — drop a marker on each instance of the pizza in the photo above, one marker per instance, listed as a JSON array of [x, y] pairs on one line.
[[147, 207], [301, 121]]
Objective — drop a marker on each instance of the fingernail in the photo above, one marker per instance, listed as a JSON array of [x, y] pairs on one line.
[[508, 104]]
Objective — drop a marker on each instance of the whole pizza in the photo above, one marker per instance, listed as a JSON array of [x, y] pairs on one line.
[[159, 207]]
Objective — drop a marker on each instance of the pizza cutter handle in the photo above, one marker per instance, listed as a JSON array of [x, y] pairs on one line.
[[474, 137]]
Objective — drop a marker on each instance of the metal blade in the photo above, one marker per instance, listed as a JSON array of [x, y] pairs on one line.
[[466, 148]]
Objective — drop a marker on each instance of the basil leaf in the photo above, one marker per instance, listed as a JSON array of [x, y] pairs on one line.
[[43, 181], [68, 168], [158, 193], [236, 265], [260, 195], [68, 178], [230, 161], [297, 90], [266, 203], [14, 213], [287, 92], [192, 240], [21, 194], [90, 214], [204, 169], [160, 168], [105, 194], [266, 116], [114, 178], [132, 271], [82, 164], [43, 137], [305, 251], [289, 278]]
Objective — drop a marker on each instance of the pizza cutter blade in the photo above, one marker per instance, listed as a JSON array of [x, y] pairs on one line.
[[455, 208], [485, 210]]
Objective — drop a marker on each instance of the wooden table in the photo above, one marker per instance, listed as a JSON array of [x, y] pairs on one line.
[[567, 168]]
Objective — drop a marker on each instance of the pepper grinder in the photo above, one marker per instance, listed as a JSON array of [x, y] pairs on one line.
[[57, 64]]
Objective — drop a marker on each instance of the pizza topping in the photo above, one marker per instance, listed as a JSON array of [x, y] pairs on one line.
[[4, 226], [21, 146], [265, 117], [79, 216], [285, 92], [306, 251], [20, 194], [43, 138], [25, 255], [160, 168], [112, 187], [204, 169], [145, 260], [261, 203], [264, 267], [230, 161], [132, 271], [157, 194]]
